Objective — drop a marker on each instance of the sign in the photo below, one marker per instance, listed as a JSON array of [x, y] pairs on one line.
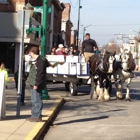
[[131, 37], [39, 9], [20, 18], [132, 41], [2, 95], [120, 37]]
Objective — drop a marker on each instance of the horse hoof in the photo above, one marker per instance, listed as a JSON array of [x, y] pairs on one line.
[[106, 98], [100, 100], [128, 99], [117, 98]]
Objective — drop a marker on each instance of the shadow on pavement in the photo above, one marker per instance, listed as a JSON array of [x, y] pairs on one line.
[[83, 120], [15, 117]]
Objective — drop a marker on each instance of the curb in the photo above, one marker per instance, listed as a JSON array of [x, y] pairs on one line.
[[36, 132]]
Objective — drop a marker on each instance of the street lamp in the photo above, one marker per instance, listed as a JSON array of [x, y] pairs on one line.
[[29, 7], [84, 29], [21, 53]]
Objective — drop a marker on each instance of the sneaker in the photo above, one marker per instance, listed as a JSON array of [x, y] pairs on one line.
[[28, 119], [36, 120]]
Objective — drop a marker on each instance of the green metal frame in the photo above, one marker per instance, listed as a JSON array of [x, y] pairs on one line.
[[43, 32]]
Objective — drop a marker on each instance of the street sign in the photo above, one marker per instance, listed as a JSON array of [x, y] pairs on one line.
[[50, 10], [39, 9], [120, 37], [132, 41], [131, 37]]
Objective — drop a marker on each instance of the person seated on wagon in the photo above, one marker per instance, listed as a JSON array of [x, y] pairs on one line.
[[87, 47], [59, 51], [96, 50]]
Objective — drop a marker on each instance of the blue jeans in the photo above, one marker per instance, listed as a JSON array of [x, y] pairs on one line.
[[37, 104]]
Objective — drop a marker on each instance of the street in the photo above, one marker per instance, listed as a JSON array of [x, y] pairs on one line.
[[84, 119]]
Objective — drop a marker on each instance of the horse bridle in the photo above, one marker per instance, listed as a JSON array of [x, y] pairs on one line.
[[128, 70]]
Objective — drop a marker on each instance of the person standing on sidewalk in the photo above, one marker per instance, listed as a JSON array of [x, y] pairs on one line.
[[87, 47], [37, 81], [24, 78], [4, 70]]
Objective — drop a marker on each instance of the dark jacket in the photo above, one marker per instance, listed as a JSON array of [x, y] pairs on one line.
[[97, 52], [87, 45], [37, 73]]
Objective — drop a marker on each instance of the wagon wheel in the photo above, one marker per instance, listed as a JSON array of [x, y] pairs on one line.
[[73, 88]]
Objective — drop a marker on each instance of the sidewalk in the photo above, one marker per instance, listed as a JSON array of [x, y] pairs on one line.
[[17, 128]]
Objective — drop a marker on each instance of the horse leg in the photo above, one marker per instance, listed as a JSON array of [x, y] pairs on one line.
[[119, 94], [92, 92], [98, 88], [106, 91], [101, 95], [127, 98]]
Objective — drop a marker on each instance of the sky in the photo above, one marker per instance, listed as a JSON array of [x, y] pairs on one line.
[[111, 17]]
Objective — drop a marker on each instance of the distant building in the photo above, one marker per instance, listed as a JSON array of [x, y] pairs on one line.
[[10, 35], [66, 25]]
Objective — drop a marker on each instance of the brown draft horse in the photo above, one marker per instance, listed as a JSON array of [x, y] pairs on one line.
[[101, 69]]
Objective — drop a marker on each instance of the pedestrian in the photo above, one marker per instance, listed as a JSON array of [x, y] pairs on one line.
[[37, 82], [66, 51], [71, 50], [60, 50], [4, 70], [75, 52], [96, 50], [24, 78], [52, 51], [87, 47]]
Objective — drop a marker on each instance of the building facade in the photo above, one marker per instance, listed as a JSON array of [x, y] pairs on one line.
[[54, 23], [66, 25], [10, 34]]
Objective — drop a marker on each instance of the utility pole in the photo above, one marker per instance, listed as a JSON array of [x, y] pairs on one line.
[[84, 29], [79, 7]]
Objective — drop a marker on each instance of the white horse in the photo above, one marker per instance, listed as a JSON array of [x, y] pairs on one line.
[[124, 74]]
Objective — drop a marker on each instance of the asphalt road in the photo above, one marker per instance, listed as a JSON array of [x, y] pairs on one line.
[[84, 119]]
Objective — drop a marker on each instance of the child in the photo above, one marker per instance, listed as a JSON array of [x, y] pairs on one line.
[[4, 70]]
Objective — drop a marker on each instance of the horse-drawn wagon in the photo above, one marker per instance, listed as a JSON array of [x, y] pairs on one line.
[[71, 70]]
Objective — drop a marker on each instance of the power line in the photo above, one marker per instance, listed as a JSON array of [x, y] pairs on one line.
[[120, 24], [72, 4]]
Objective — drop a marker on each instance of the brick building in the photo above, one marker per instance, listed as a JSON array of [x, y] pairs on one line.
[[10, 35], [66, 25], [54, 24]]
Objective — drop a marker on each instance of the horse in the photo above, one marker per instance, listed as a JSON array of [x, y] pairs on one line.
[[124, 73], [101, 68]]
